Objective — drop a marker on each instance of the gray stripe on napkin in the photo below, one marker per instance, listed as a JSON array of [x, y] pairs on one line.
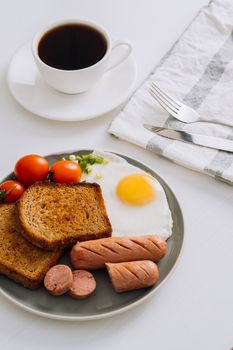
[[194, 99], [222, 161], [223, 158], [210, 77], [212, 74], [157, 144]]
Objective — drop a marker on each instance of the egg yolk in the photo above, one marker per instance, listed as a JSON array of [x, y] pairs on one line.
[[136, 189]]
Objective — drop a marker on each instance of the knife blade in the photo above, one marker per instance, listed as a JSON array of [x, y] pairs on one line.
[[195, 139]]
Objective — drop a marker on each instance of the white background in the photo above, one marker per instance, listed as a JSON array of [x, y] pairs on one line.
[[194, 309]]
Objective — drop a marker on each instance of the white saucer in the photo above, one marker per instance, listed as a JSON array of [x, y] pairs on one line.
[[30, 91]]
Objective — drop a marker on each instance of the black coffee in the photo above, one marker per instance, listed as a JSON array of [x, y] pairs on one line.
[[72, 46]]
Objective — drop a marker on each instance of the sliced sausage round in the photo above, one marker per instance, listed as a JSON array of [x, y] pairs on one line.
[[83, 285], [58, 279]]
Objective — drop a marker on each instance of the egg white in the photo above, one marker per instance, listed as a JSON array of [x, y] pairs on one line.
[[127, 220]]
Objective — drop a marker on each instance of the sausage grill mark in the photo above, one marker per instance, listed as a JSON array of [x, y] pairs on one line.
[[119, 270], [109, 248], [155, 244], [146, 272], [123, 246], [141, 246], [92, 251], [131, 272]]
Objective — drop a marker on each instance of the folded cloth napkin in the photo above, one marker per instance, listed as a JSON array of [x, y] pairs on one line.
[[198, 70]]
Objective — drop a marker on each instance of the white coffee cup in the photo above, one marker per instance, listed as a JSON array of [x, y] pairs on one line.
[[79, 80]]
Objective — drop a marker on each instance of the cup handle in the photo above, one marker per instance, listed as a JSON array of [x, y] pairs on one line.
[[126, 54]]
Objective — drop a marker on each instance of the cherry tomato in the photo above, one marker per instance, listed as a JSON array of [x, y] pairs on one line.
[[10, 191], [31, 168], [66, 171]]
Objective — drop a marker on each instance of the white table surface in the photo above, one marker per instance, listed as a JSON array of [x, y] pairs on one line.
[[194, 309]]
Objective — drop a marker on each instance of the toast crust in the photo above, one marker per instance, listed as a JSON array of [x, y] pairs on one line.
[[35, 235], [19, 259], [26, 281]]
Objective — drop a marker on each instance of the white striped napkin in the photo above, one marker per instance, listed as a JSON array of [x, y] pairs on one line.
[[198, 70]]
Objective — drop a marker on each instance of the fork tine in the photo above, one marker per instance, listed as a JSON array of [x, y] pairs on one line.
[[162, 103], [165, 101], [167, 97]]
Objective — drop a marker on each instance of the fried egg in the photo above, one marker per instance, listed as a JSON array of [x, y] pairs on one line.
[[135, 201]]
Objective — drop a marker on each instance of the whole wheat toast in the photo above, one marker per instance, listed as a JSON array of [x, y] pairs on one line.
[[54, 216], [19, 259]]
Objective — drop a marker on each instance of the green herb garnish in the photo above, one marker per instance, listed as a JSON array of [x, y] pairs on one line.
[[86, 161], [2, 195]]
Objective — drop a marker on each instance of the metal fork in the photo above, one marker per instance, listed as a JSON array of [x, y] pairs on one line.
[[174, 107]]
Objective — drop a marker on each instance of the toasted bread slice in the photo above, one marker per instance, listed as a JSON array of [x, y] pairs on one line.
[[19, 259], [55, 216]]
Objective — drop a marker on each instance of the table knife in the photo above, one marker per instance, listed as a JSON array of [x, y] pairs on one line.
[[195, 139]]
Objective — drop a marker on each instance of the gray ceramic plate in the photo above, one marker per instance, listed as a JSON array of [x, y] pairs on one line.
[[104, 302]]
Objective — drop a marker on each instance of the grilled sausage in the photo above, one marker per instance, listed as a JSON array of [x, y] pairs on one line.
[[132, 275], [92, 255], [83, 284], [58, 279]]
